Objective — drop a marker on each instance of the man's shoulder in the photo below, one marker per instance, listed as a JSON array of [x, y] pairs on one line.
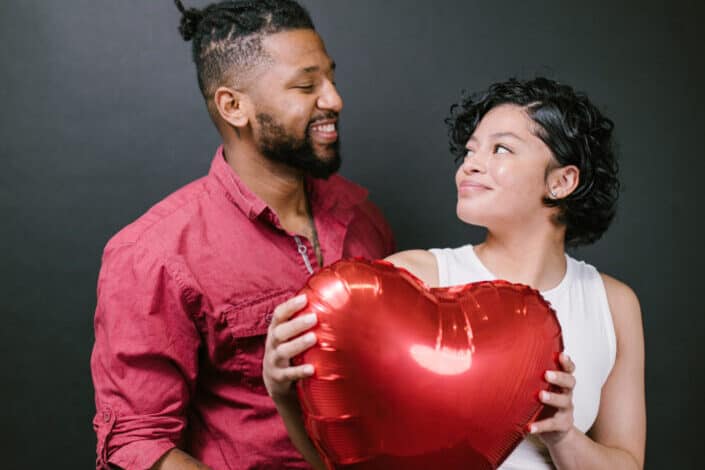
[[166, 218], [371, 212], [339, 190], [368, 217], [353, 195], [357, 197]]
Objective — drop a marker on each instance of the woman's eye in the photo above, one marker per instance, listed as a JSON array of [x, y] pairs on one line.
[[501, 149], [469, 153], [305, 87]]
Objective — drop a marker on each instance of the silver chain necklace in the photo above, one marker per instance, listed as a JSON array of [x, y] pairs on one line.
[[314, 233]]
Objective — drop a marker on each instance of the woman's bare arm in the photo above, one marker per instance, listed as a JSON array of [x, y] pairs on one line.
[[618, 437]]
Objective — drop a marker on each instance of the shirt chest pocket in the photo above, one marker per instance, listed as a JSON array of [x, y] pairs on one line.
[[247, 323]]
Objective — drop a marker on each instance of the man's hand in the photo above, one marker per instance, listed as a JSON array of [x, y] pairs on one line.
[[176, 459], [284, 341]]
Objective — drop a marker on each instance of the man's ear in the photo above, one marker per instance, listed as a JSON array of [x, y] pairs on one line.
[[232, 106], [562, 181]]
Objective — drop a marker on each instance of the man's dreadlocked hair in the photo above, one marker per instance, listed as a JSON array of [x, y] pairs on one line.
[[227, 36]]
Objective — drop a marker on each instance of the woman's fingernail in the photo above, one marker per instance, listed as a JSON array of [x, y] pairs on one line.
[[310, 338], [550, 375], [545, 396], [308, 369], [310, 319], [299, 300], [532, 429]]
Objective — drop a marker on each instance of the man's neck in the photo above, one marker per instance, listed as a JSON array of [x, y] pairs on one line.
[[279, 186]]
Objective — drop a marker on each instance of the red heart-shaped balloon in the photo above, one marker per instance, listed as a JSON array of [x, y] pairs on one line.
[[415, 378]]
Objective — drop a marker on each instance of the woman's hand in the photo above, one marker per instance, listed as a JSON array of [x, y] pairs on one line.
[[555, 429], [284, 341]]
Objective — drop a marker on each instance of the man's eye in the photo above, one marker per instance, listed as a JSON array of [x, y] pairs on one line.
[[305, 87]]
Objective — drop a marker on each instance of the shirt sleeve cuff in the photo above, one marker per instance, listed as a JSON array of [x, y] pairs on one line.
[[140, 454]]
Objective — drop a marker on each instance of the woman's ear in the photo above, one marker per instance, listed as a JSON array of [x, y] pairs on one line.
[[562, 181], [232, 106]]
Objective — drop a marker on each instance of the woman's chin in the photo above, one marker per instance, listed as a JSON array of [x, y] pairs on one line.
[[472, 216]]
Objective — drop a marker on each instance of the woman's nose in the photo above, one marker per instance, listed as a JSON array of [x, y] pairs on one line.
[[475, 162]]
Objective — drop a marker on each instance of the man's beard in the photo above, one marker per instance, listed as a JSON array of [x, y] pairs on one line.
[[278, 146]]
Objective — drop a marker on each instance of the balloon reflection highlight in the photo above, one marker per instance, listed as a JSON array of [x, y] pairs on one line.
[[443, 361]]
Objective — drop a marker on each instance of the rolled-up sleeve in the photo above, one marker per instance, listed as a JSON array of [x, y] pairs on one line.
[[145, 358]]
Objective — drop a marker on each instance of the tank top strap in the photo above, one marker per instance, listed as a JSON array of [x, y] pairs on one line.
[[592, 284], [459, 266]]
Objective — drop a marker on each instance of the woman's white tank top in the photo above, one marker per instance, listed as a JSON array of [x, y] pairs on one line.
[[580, 302]]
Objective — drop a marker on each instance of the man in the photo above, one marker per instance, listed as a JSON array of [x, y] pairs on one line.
[[186, 292]]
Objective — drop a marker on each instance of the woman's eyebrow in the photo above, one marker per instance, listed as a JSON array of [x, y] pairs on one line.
[[506, 134], [498, 135]]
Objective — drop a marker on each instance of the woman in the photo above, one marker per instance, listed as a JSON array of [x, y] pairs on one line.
[[538, 171]]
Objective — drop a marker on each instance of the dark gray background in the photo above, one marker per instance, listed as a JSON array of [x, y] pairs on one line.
[[101, 117]]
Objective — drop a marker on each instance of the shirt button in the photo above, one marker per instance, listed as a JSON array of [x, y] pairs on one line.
[[106, 416]]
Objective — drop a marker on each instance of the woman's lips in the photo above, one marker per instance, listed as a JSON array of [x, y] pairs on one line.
[[472, 187]]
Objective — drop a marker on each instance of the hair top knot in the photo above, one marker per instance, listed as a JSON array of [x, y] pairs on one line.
[[190, 20]]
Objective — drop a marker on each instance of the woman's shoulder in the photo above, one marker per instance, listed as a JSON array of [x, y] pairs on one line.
[[619, 293], [624, 306], [420, 263]]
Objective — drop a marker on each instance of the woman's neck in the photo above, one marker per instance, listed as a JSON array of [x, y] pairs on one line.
[[532, 257]]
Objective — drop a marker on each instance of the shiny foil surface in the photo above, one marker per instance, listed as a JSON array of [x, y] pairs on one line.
[[414, 378]]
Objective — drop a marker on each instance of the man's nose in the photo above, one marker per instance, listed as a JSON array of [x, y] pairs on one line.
[[330, 98]]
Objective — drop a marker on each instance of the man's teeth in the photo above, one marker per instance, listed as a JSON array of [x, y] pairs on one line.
[[324, 128]]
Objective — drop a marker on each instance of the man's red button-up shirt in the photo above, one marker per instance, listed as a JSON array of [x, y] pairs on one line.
[[185, 295]]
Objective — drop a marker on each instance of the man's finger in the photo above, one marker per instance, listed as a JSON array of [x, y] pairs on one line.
[[291, 328], [286, 351], [285, 310], [280, 381], [297, 373]]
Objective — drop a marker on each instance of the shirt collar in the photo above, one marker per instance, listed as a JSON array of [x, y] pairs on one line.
[[335, 193]]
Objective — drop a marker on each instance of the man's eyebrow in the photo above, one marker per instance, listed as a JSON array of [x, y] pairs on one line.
[[316, 68]]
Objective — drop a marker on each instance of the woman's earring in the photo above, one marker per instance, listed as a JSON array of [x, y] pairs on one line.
[[553, 194]]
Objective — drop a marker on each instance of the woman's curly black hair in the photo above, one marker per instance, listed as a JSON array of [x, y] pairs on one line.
[[574, 130]]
